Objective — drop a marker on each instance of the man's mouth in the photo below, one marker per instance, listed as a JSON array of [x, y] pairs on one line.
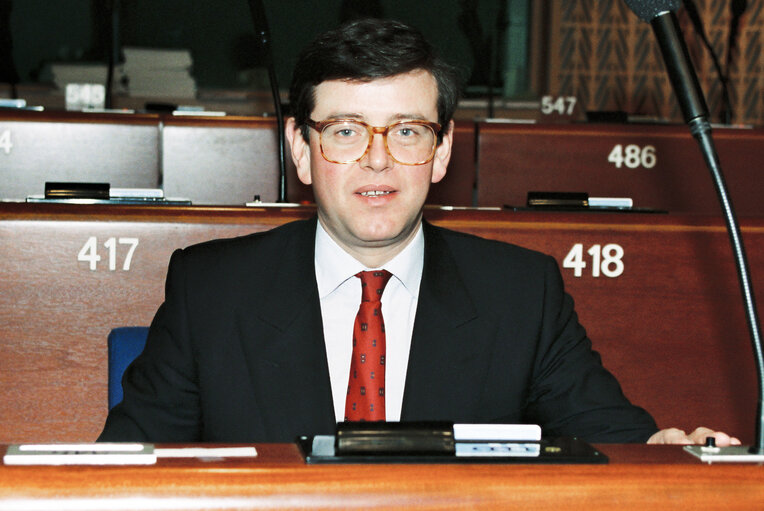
[[375, 193]]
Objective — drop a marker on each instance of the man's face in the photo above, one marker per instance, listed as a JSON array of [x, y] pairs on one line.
[[373, 227]]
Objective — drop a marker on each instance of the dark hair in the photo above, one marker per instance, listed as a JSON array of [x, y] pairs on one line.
[[365, 50]]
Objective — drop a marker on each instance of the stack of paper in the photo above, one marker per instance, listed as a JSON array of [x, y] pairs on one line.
[[153, 72], [114, 453], [64, 73], [80, 454]]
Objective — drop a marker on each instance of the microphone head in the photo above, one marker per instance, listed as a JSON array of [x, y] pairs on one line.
[[649, 9]]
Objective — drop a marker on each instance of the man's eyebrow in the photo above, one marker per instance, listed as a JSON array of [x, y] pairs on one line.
[[341, 115], [361, 117], [409, 117]]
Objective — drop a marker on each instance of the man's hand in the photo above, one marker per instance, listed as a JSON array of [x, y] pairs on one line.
[[677, 436]]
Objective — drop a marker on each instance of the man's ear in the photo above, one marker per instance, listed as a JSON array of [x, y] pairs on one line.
[[443, 154], [300, 150]]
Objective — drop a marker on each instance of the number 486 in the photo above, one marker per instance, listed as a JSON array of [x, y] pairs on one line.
[[633, 156]]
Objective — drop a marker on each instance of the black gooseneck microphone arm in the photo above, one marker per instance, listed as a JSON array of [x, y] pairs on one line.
[[660, 15], [114, 52], [697, 23], [261, 30]]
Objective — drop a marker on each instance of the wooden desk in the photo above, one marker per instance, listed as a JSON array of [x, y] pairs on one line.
[[658, 166], [666, 315], [36, 147], [638, 477], [220, 160]]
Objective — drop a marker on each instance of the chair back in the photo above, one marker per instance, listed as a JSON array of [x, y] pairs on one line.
[[124, 345]]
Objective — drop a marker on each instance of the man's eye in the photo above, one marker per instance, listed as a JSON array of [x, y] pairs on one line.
[[345, 131], [408, 131]]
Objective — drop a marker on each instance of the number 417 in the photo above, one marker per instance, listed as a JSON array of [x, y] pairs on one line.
[[89, 252]]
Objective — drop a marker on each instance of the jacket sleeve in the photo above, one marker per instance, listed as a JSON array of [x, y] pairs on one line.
[[161, 398], [571, 393]]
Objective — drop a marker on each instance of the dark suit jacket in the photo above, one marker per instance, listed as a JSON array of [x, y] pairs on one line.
[[236, 352]]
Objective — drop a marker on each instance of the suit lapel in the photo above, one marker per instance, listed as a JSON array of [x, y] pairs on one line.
[[283, 340], [446, 358]]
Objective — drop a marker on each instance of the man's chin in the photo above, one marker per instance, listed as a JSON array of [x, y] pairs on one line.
[[390, 235]]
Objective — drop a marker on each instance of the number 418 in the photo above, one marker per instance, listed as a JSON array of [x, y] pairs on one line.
[[607, 260]]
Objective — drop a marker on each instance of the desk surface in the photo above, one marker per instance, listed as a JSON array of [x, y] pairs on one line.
[[637, 477]]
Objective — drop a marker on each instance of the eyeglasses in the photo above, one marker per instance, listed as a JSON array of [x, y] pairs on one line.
[[349, 140]]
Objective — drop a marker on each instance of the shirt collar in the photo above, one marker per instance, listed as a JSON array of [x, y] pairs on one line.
[[334, 266]]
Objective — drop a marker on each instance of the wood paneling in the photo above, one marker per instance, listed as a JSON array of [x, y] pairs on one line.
[[670, 326], [221, 160], [514, 159], [59, 146]]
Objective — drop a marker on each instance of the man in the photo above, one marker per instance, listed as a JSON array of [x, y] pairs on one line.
[[253, 342]]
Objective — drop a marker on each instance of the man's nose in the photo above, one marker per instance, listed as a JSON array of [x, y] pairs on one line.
[[377, 158]]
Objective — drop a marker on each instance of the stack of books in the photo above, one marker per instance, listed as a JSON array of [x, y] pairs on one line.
[[153, 72]]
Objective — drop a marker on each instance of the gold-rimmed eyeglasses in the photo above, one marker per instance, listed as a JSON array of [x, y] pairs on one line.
[[348, 140]]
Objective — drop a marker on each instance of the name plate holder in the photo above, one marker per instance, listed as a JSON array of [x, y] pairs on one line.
[[443, 443]]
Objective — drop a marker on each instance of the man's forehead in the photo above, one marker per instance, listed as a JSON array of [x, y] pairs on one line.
[[407, 95]]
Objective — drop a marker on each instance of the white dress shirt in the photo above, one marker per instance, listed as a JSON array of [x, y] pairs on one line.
[[340, 294]]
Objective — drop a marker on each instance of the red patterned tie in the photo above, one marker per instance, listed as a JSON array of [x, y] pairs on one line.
[[366, 386]]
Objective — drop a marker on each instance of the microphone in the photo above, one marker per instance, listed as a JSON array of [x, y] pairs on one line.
[[692, 12], [261, 30], [737, 9], [114, 52], [8, 72], [684, 81]]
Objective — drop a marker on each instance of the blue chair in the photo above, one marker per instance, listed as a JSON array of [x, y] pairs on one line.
[[124, 344]]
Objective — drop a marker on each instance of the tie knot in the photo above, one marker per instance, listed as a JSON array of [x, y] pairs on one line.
[[372, 284]]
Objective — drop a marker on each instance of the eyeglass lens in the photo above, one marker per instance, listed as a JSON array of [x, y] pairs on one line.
[[408, 143]]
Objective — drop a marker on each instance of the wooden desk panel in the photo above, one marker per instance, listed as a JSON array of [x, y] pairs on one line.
[[514, 159], [55, 311], [227, 160], [670, 326], [638, 478], [458, 187], [36, 147]]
